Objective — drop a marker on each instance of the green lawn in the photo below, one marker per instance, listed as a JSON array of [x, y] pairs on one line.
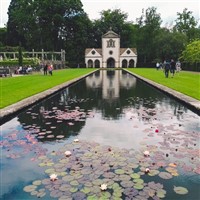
[[185, 82], [14, 89]]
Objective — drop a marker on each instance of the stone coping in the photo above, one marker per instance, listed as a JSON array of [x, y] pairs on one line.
[[13, 109], [192, 103]]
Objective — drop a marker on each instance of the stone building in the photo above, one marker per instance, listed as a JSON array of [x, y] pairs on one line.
[[110, 55]]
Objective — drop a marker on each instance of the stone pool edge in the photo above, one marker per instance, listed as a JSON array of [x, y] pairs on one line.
[[194, 104], [7, 112]]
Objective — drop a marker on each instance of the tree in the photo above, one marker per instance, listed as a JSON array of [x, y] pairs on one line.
[[149, 26], [117, 21], [3, 35], [40, 23], [169, 44], [192, 52], [186, 23]]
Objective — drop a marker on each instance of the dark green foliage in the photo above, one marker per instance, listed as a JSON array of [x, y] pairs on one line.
[[62, 24]]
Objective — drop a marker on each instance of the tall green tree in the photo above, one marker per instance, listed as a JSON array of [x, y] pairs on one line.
[[149, 26], [186, 23]]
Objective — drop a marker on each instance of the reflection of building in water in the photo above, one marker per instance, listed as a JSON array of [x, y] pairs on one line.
[[111, 81], [127, 81], [94, 80]]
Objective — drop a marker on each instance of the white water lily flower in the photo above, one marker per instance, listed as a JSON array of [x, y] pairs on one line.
[[76, 140], [68, 153], [146, 153], [53, 177], [147, 170], [103, 186]]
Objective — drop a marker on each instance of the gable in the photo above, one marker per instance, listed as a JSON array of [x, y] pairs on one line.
[[92, 52], [127, 52], [110, 34]]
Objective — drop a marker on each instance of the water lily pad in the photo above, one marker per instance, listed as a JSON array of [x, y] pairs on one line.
[[79, 196], [41, 194], [74, 183], [56, 193], [135, 175], [73, 189], [67, 178], [37, 182], [180, 190], [119, 171], [165, 175], [126, 184], [30, 188], [34, 192], [64, 187], [85, 190], [160, 193], [92, 197], [138, 186], [138, 181], [153, 172], [130, 192], [50, 171]]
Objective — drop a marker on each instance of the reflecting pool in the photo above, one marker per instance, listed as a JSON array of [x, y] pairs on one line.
[[130, 136]]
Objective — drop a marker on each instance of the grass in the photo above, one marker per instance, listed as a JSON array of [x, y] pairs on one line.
[[187, 83], [14, 89]]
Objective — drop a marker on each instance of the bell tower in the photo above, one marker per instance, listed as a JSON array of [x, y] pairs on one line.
[[110, 50]]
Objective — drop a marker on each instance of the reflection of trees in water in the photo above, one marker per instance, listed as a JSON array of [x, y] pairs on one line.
[[36, 117]]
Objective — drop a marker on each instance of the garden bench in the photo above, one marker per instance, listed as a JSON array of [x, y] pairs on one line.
[[4, 72]]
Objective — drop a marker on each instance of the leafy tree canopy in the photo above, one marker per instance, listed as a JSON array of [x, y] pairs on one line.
[[192, 52]]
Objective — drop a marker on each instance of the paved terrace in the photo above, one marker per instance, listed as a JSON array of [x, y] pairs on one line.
[[13, 109]]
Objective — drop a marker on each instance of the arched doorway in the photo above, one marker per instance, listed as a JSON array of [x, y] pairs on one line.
[[110, 63], [124, 63], [90, 63], [131, 63], [97, 64]]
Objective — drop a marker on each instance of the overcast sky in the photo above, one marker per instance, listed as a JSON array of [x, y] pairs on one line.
[[167, 8]]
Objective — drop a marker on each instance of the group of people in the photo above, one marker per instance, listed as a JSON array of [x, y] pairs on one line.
[[169, 66], [23, 70], [48, 68]]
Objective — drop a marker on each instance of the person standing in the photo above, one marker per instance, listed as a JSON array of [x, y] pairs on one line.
[[157, 65], [166, 68], [50, 69], [173, 67], [45, 69]]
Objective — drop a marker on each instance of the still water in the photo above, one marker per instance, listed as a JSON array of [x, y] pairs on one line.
[[115, 117]]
